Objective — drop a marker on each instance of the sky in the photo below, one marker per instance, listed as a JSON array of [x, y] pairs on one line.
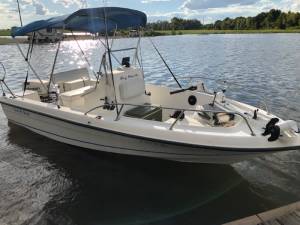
[[205, 10]]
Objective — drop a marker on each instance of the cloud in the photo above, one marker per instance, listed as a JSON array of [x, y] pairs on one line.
[[68, 3], [6, 13], [286, 5], [208, 4], [151, 1], [40, 8], [25, 2], [212, 10]]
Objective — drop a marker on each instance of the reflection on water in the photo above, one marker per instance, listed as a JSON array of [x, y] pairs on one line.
[[110, 189], [46, 182]]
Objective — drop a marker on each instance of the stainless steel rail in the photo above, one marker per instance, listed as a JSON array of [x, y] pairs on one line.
[[124, 49], [174, 109], [224, 82], [177, 119]]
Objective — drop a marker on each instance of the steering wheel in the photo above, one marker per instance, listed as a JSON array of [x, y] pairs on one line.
[[2, 72]]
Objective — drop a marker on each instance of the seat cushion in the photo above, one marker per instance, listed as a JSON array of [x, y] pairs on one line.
[[74, 84], [74, 98], [76, 92], [70, 75]]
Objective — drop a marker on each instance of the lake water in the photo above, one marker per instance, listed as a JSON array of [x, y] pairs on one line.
[[45, 182]]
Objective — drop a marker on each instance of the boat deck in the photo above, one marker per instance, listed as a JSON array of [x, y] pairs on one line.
[[286, 215]]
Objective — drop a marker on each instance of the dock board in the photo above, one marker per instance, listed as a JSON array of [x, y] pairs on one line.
[[286, 215]]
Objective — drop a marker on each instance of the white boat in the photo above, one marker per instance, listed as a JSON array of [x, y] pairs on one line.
[[117, 112]]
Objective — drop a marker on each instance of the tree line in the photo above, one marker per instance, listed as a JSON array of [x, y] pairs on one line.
[[274, 19], [176, 24]]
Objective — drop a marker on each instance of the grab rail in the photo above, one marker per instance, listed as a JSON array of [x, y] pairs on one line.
[[169, 108]]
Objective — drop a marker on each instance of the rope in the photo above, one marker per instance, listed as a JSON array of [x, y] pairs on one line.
[[100, 69], [20, 15], [83, 54], [2, 79], [53, 67], [3, 92], [28, 58], [4, 70], [141, 57], [109, 58], [115, 58], [164, 61], [32, 69]]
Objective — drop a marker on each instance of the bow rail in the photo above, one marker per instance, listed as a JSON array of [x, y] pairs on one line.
[[182, 111]]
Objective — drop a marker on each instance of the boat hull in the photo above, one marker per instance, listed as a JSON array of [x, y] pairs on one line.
[[95, 138]]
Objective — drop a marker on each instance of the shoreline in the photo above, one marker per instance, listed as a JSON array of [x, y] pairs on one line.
[[10, 41], [5, 40], [185, 32]]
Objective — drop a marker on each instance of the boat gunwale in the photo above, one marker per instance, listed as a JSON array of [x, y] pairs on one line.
[[218, 148]]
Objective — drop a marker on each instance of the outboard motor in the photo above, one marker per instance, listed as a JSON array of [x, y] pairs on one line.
[[277, 129], [272, 129]]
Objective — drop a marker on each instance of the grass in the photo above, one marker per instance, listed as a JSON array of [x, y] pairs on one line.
[[5, 41], [5, 32], [183, 32], [8, 41]]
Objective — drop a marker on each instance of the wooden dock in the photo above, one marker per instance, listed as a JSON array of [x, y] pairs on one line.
[[286, 215]]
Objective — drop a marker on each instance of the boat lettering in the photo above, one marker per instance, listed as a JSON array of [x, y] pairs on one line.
[[22, 111]]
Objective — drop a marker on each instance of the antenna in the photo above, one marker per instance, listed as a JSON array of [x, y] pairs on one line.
[[19, 10]]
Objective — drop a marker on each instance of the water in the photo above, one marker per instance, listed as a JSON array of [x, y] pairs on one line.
[[45, 182]]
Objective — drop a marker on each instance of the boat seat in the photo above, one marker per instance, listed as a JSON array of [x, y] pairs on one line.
[[74, 98], [72, 79], [28, 94], [75, 84], [71, 75], [35, 85]]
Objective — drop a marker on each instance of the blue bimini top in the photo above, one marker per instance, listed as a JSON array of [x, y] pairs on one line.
[[92, 20]]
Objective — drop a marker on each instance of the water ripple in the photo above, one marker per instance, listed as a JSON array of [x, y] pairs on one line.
[[45, 182]]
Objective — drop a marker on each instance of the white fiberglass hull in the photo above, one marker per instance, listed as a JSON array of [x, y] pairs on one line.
[[86, 135]]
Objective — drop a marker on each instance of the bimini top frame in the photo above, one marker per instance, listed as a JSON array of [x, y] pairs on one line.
[[92, 20]]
